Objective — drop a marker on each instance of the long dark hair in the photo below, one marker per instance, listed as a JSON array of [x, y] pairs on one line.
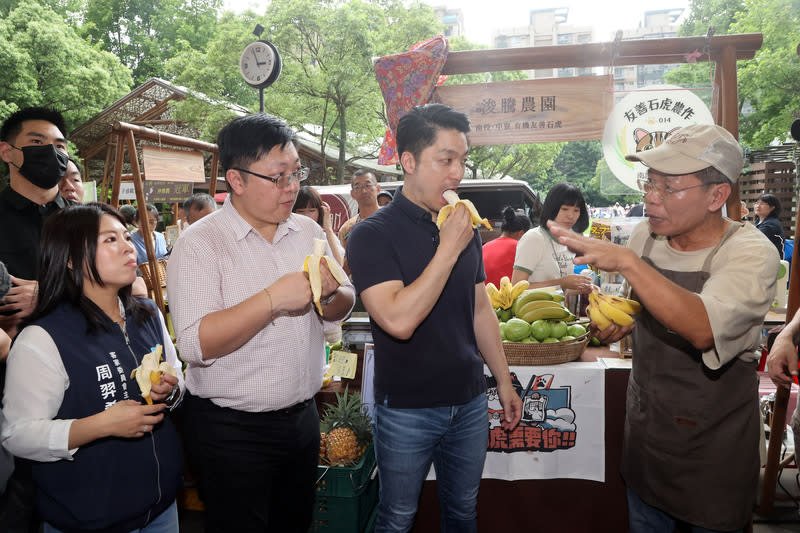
[[564, 194], [69, 237], [309, 198]]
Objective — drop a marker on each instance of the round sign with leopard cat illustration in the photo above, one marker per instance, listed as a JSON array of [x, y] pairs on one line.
[[642, 120]]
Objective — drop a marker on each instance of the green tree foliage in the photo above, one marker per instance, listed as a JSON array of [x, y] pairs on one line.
[[143, 34], [45, 62], [769, 84]]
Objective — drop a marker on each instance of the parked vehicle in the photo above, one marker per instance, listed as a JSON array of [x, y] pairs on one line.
[[489, 197]]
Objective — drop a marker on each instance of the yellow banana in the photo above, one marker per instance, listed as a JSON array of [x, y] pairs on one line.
[[452, 202], [312, 265], [505, 292], [599, 319], [518, 287], [150, 371], [494, 295], [623, 304], [617, 316]]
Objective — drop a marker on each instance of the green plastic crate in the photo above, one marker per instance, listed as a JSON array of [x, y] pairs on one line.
[[346, 496]]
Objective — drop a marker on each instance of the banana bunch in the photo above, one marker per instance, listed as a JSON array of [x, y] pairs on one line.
[[605, 310], [311, 265], [453, 201], [535, 305], [506, 294], [150, 371]]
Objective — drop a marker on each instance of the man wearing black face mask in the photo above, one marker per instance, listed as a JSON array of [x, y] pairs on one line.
[[33, 144]]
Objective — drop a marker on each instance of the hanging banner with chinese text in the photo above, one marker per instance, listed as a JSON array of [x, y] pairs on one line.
[[643, 120], [532, 111]]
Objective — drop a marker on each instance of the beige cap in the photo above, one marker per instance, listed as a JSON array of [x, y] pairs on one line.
[[695, 148]]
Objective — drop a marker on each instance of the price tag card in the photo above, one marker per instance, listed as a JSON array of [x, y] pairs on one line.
[[343, 364]]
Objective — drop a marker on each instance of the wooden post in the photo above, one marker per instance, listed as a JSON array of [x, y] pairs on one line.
[[778, 424], [118, 160], [728, 111], [144, 225]]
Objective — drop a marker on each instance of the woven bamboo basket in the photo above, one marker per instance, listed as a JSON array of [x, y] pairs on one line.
[[161, 271], [523, 354]]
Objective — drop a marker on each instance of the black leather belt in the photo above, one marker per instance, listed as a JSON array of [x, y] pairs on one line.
[[293, 409]]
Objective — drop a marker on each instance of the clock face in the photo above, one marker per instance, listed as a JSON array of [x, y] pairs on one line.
[[260, 64]]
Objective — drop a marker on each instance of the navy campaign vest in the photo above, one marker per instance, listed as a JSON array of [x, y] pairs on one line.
[[112, 484]]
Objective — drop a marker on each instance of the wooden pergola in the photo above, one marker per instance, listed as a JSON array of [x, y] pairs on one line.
[[724, 51]]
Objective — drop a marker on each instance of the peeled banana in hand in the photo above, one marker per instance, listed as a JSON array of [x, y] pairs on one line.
[[312, 266], [506, 294], [605, 310], [150, 371], [452, 202]]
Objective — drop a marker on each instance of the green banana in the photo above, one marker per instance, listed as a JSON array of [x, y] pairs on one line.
[[538, 304], [529, 296], [553, 313]]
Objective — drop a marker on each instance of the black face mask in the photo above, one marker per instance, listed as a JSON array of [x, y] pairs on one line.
[[44, 166]]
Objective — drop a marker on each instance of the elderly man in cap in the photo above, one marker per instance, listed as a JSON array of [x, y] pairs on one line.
[[705, 282]]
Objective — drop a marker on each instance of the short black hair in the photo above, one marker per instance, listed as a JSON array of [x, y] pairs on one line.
[[417, 129], [198, 200], [69, 236], [362, 171], [514, 221], [12, 126], [244, 140], [564, 194], [772, 201], [77, 165]]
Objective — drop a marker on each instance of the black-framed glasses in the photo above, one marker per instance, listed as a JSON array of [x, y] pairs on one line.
[[283, 180], [663, 190]]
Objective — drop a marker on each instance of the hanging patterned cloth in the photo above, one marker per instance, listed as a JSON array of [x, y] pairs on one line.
[[407, 80]]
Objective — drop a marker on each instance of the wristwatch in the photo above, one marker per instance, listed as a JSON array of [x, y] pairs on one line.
[[329, 299], [173, 396]]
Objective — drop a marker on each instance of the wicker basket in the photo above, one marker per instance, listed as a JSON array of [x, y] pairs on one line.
[[523, 354], [161, 271]]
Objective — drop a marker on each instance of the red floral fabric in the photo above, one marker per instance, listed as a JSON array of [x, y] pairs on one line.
[[407, 80]]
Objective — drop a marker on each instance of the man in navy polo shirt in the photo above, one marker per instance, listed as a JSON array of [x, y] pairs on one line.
[[433, 329]]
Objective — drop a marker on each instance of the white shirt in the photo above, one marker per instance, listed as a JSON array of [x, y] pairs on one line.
[[31, 430], [542, 257], [219, 262]]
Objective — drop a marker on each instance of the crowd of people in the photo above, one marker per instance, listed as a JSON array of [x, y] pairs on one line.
[[84, 449]]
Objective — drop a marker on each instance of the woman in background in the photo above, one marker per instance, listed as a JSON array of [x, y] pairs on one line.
[[159, 242], [310, 204], [542, 260], [767, 210], [101, 459], [498, 255]]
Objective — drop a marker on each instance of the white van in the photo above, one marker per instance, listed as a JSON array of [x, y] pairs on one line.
[[489, 197]]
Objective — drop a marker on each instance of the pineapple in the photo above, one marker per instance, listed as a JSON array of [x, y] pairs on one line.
[[347, 430]]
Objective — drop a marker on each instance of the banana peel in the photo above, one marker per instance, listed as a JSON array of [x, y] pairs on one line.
[[150, 371], [454, 201], [312, 266]]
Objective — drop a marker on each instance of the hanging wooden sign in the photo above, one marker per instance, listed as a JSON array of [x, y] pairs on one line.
[[166, 164], [532, 111]]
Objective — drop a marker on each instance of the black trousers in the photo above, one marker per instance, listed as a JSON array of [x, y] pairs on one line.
[[256, 471]]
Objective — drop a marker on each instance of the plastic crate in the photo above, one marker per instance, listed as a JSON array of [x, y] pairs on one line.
[[346, 496]]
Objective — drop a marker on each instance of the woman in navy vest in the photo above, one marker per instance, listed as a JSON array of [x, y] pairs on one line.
[[102, 460]]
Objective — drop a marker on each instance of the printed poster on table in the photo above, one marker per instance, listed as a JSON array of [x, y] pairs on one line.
[[562, 431]]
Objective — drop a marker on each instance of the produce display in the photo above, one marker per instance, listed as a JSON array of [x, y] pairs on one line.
[[346, 431], [312, 265], [452, 202], [150, 371], [503, 298], [532, 316]]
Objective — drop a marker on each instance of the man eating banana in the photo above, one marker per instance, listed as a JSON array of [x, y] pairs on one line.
[[705, 282]]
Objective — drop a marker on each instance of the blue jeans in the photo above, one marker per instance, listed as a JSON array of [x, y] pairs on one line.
[[644, 518], [407, 441], [166, 522]]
